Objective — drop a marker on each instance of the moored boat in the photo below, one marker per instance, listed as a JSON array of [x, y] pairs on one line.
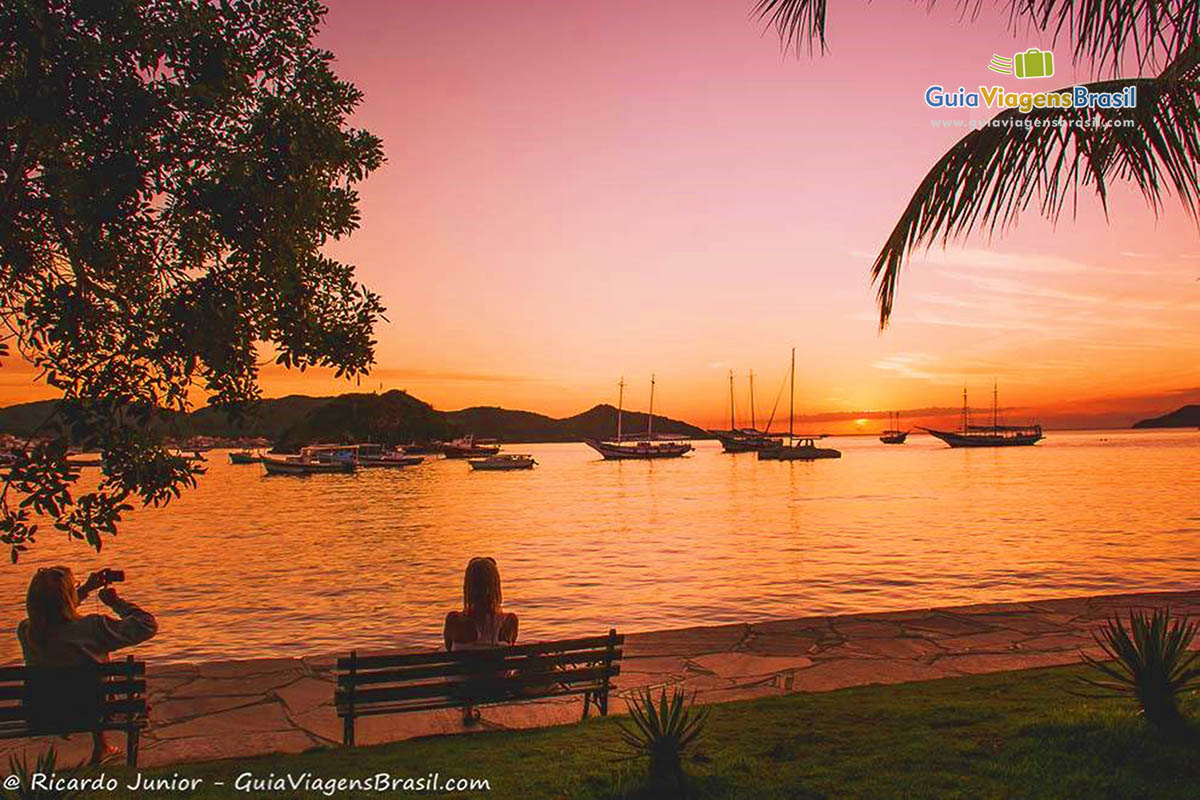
[[245, 457], [994, 435], [804, 448], [470, 447], [313, 460], [893, 435], [375, 455], [506, 461], [798, 448], [745, 440], [641, 447]]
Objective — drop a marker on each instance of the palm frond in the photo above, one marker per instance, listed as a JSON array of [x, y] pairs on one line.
[[1102, 32], [1106, 32], [799, 23], [993, 174]]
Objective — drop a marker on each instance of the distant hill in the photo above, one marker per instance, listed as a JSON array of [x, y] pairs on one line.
[[1185, 417], [392, 417]]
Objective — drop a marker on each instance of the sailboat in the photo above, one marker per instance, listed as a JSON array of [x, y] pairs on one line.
[[745, 440], [994, 435], [798, 448], [893, 435], [642, 446]]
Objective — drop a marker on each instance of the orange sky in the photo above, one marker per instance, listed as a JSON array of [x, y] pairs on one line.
[[577, 191]]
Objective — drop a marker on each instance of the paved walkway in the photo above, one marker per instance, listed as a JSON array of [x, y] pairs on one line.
[[241, 708]]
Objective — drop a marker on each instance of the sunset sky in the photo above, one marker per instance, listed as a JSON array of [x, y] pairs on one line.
[[577, 191]]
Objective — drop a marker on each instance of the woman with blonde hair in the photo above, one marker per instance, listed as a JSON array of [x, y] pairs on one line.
[[56, 634]]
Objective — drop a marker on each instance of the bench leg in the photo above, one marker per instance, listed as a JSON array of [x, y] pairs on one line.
[[587, 701], [348, 731], [132, 737]]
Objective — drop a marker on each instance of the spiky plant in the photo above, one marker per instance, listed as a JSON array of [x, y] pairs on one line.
[[660, 732], [1043, 157], [1150, 661], [45, 764]]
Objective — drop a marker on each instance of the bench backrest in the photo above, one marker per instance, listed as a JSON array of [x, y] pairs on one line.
[[379, 684], [54, 700]]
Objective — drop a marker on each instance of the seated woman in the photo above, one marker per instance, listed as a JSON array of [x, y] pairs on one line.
[[482, 624], [57, 635]]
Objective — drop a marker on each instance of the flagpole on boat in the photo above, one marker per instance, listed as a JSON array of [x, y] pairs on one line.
[[650, 416], [732, 423], [792, 401], [753, 422], [620, 403]]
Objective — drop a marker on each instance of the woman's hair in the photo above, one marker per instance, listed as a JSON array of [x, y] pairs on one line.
[[481, 586], [50, 601]]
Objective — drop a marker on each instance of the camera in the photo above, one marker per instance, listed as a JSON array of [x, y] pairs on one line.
[[109, 576]]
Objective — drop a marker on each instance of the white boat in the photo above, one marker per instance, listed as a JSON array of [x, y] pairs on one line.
[[643, 447], [507, 461], [313, 460], [798, 448]]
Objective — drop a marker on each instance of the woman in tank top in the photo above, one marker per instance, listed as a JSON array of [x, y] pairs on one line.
[[482, 624]]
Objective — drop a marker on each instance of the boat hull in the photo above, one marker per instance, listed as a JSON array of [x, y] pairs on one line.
[[244, 458], [641, 451], [986, 440], [894, 437], [392, 462], [798, 453], [487, 465], [469, 452], [734, 442], [275, 466]]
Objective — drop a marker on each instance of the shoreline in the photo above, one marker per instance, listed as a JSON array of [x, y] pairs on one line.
[[234, 709]]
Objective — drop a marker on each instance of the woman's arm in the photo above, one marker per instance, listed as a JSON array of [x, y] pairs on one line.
[[134, 626]]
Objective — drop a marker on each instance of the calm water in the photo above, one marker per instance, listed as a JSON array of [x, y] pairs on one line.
[[250, 566]]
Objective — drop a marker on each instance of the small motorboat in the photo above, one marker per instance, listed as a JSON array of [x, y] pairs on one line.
[[245, 457], [374, 455], [499, 463], [470, 447], [803, 449], [314, 460]]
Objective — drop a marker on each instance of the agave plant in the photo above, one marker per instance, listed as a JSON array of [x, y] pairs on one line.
[[45, 764], [661, 731], [1149, 660], [1043, 157]]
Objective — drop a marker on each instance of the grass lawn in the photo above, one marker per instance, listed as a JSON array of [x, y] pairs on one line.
[[1008, 735]]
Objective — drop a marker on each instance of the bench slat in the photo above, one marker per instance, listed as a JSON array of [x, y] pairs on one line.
[[107, 668], [431, 704], [480, 689], [444, 657], [492, 661], [111, 688], [130, 706]]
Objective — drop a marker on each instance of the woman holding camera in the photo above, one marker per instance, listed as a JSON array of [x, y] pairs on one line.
[[56, 634]]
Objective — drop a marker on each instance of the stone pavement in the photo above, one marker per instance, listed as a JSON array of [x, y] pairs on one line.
[[232, 709]]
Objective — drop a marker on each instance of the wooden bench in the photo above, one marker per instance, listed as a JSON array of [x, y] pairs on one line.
[[403, 682], [52, 701]]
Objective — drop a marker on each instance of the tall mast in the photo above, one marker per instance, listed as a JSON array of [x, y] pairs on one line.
[[995, 404], [964, 408], [732, 424], [650, 417], [620, 403], [792, 402], [753, 423]]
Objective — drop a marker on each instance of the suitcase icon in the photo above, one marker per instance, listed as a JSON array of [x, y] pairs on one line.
[[1034, 63]]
